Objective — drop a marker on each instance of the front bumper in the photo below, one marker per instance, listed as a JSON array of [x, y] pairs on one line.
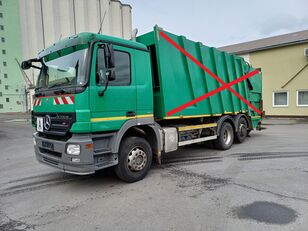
[[90, 160]]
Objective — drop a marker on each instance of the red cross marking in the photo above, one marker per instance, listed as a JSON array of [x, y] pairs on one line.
[[217, 90]]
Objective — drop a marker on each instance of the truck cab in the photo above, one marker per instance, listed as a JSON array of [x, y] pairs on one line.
[[88, 95]]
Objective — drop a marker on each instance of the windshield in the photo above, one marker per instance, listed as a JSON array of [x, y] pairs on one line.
[[68, 70]]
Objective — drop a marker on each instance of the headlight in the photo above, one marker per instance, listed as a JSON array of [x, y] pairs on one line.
[[73, 149]]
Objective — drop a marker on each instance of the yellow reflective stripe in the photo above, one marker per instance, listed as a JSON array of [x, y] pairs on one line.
[[255, 117], [196, 116], [181, 117], [144, 116], [120, 118], [186, 128], [109, 118]]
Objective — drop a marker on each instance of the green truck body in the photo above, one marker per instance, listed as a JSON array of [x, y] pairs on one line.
[[179, 80], [102, 101]]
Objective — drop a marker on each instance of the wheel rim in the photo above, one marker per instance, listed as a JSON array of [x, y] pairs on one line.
[[137, 159], [227, 136], [242, 130]]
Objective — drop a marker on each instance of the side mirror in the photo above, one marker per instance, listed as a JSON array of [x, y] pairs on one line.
[[100, 77], [110, 74], [25, 65], [109, 56]]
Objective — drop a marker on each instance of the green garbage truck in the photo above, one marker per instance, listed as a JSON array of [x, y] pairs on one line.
[[102, 101]]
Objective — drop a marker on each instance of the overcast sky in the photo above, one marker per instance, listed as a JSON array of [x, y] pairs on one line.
[[221, 22]]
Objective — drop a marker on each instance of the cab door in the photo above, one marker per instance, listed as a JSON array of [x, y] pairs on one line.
[[118, 103]]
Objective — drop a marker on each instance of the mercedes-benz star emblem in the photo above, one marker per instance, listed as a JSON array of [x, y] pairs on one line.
[[47, 122]]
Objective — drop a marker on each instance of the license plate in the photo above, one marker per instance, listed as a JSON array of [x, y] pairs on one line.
[[39, 124], [47, 145]]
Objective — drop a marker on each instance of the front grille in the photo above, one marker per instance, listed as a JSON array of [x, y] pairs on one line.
[[60, 123], [49, 152]]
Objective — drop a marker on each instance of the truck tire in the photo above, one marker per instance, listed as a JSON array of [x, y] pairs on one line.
[[135, 159], [226, 136], [242, 130]]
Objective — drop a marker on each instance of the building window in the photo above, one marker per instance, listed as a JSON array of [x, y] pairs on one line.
[[4, 64], [302, 98], [1, 15], [0, 81], [5, 76], [1, 27], [1, 106], [2, 39], [16, 90], [3, 52], [0, 93], [0, 3], [6, 87], [280, 99], [7, 100]]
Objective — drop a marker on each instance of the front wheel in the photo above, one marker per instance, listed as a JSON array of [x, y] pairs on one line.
[[226, 136], [135, 158]]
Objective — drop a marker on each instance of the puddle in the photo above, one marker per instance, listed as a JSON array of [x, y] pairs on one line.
[[267, 212]]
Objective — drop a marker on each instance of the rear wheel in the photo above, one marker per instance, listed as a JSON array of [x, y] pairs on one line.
[[226, 136], [242, 130], [135, 158]]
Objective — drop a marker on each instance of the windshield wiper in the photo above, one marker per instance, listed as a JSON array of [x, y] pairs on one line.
[[38, 94], [61, 92], [58, 84]]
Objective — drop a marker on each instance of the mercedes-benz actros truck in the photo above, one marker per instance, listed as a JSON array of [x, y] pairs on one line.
[[102, 101]]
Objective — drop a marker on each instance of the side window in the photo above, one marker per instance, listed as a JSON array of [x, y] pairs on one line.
[[122, 68]]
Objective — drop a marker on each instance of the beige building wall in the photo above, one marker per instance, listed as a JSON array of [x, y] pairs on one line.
[[279, 65]]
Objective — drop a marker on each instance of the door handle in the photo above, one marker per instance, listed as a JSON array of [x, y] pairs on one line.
[[130, 113]]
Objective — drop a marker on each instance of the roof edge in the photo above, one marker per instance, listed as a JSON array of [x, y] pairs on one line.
[[293, 38], [267, 47]]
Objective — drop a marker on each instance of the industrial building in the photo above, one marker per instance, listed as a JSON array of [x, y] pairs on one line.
[[28, 26], [284, 64], [12, 87]]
